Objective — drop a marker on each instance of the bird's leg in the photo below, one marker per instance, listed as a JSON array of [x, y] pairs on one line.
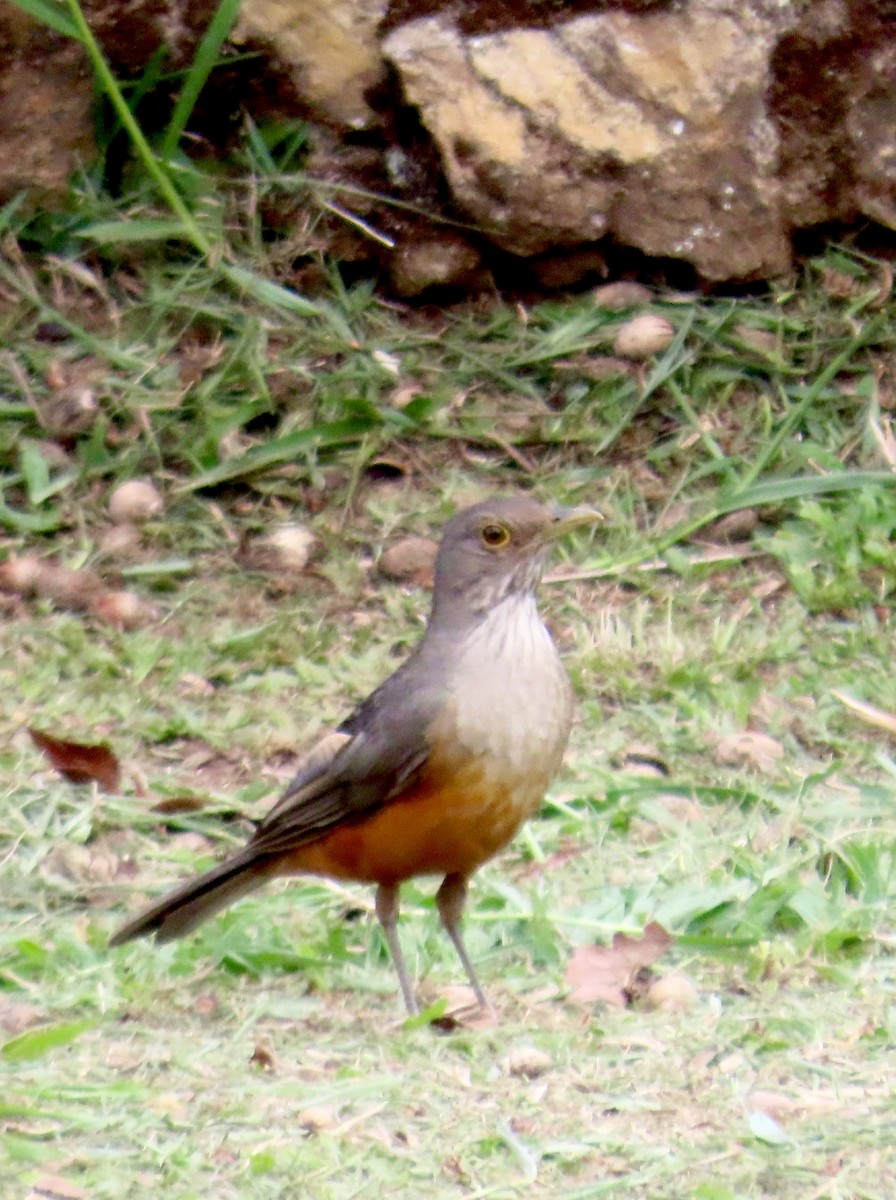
[[450, 900], [387, 905]]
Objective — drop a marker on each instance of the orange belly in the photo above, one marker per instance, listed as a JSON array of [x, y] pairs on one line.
[[433, 829]]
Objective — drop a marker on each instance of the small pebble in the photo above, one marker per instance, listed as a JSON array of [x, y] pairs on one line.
[[528, 1062], [672, 993], [413, 558], [135, 502], [643, 336]]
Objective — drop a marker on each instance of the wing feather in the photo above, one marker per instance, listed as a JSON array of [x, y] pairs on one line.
[[374, 755]]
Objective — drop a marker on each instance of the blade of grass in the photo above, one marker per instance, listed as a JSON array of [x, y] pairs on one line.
[[144, 152], [205, 60], [145, 229], [243, 278], [866, 335], [280, 451], [769, 491]]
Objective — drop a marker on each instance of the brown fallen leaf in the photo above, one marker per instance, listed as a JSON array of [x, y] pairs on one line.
[[606, 972], [80, 763], [179, 804]]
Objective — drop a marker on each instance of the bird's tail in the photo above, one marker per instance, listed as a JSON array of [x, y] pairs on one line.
[[188, 906]]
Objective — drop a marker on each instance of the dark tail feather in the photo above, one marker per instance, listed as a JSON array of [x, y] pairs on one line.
[[182, 910]]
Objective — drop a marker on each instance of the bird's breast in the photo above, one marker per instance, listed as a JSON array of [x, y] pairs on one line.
[[495, 745], [511, 701]]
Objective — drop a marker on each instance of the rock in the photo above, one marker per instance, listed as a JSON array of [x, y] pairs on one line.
[[528, 1062], [439, 258], [21, 575], [46, 103], [412, 559], [123, 610], [119, 541], [287, 549], [672, 993], [29, 576], [652, 126], [643, 336], [134, 502], [702, 130], [330, 49], [623, 294], [317, 1118]]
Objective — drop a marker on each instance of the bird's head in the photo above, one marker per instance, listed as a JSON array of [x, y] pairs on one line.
[[496, 549]]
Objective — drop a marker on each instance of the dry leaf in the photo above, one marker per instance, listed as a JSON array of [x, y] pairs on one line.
[[606, 972], [882, 431], [179, 804], [734, 526], [839, 285], [80, 763], [762, 340], [597, 366]]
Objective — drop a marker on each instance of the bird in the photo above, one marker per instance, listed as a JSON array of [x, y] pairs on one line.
[[434, 773]]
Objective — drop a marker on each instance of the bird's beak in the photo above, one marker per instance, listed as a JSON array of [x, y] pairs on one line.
[[566, 519]]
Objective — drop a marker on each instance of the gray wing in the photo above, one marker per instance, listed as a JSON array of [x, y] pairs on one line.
[[375, 754]]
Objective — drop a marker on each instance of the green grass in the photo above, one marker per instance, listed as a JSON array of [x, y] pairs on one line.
[[779, 884], [715, 782]]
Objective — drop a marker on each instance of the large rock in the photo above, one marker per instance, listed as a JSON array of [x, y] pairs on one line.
[[330, 49], [46, 94], [653, 127], [706, 131], [703, 130]]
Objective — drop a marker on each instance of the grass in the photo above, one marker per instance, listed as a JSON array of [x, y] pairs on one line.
[[715, 782]]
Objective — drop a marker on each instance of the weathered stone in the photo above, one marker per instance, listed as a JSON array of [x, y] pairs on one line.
[[527, 192], [652, 127], [871, 126], [332, 50], [440, 258], [703, 130], [46, 93]]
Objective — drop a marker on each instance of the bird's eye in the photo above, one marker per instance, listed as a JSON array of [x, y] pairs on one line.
[[495, 536]]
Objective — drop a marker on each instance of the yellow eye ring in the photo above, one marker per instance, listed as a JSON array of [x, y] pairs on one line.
[[495, 536]]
